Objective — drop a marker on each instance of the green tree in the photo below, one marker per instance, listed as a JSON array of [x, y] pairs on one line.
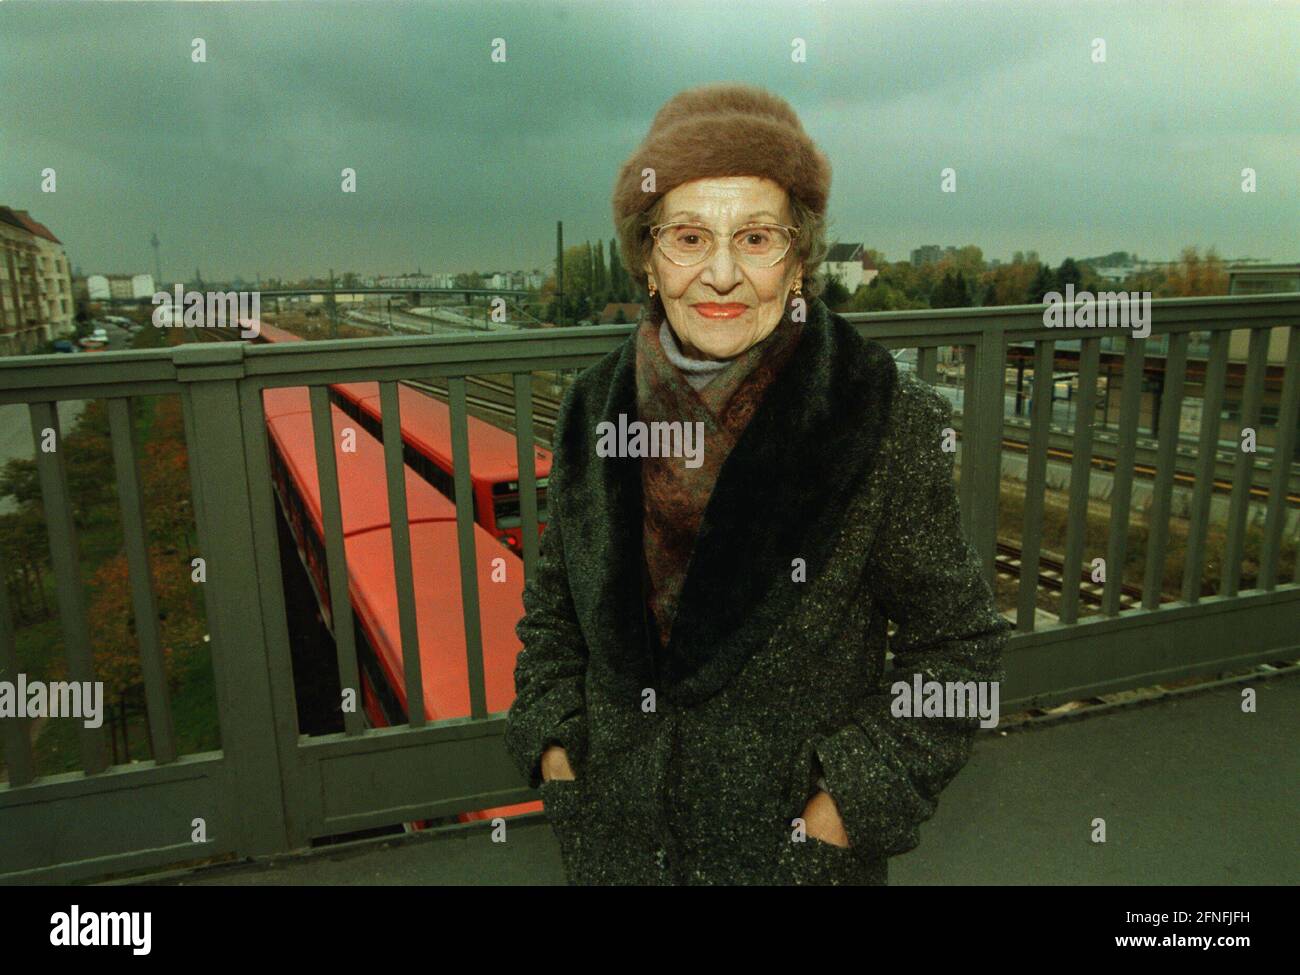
[[952, 292], [20, 481], [879, 296], [834, 294], [582, 308], [577, 271], [1068, 273], [618, 279], [1044, 281], [904, 278], [25, 554], [969, 260], [600, 285]]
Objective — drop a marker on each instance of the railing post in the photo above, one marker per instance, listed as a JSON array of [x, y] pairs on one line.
[[66, 563], [239, 652], [982, 463]]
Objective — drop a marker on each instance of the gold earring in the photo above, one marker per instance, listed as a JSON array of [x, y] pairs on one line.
[[798, 287], [653, 289]]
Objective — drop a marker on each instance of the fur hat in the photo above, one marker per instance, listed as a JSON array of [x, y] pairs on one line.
[[722, 129]]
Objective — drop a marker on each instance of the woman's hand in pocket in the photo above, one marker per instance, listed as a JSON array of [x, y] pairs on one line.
[[555, 764], [822, 820]]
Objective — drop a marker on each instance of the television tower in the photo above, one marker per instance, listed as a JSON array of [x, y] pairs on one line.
[[157, 267]]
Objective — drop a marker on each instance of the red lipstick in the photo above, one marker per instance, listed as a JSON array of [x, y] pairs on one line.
[[712, 310]]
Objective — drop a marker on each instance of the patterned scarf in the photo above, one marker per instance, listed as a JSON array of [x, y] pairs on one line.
[[676, 495]]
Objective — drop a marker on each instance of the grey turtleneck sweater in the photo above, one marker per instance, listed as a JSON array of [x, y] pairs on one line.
[[699, 372]]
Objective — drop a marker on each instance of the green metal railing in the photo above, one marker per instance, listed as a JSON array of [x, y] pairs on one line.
[[269, 789]]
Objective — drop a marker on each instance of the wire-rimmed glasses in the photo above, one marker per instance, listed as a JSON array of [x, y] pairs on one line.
[[759, 245]]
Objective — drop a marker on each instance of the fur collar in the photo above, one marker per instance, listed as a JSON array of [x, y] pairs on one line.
[[780, 495]]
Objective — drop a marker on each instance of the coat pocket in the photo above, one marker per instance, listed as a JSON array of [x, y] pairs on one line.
[[559, 798], [562, 803], [817, 863]]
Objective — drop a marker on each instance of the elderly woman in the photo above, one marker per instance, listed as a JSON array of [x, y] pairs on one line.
[[702, 693]]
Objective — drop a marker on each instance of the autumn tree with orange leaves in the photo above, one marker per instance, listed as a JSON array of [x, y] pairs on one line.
[[164, 475], [115, 629], [1195, 275]]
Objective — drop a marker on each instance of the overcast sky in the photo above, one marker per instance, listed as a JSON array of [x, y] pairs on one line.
[[466, 164]]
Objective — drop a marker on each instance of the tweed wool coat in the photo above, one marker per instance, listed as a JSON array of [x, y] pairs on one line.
[[692, 761]]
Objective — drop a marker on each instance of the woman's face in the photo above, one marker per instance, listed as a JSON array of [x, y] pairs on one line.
[[724, 204]]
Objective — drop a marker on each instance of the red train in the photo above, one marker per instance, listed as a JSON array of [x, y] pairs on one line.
[[426, 438], [368, 547]]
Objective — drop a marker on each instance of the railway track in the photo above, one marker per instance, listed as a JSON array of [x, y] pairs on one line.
[[1146, 471], [546, 409], [500, 409], [1052, 577]]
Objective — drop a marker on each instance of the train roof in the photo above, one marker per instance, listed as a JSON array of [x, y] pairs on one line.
[[285, 400], [363, 493], [269, 333], [439, 614], [426, 426]]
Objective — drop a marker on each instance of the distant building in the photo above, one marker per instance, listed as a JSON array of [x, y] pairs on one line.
[[102, 287], [36, 302], [1262, 279], [845, 262], [514, 280], [492, 280], [416, 281], [929, 254], [1114, 275], [97, 287]]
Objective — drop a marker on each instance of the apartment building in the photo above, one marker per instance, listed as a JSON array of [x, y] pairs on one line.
[[36, 302]]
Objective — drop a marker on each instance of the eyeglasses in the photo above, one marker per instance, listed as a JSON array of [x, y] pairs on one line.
[[755, 244]]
